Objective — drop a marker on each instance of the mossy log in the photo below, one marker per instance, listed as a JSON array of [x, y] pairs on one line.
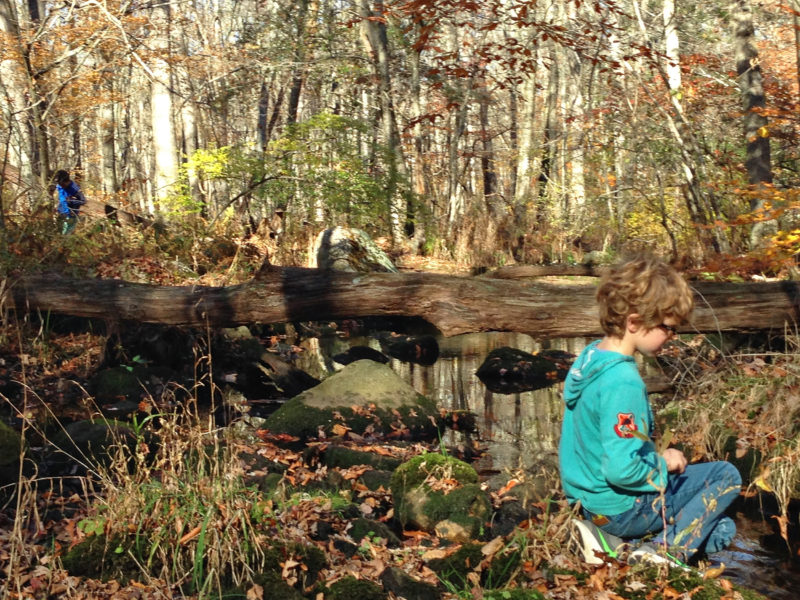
[[453, 304]]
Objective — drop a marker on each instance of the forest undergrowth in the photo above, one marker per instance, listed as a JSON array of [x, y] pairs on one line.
[[197, 526]]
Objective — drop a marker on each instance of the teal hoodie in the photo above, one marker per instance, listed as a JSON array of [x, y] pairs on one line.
[[604, 460]]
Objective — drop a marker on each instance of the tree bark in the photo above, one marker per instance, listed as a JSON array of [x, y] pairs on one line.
[[165, 166], [455, 305], [758, 161]]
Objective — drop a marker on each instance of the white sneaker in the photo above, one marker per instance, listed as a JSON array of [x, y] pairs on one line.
[[649, 554], [594, 541]]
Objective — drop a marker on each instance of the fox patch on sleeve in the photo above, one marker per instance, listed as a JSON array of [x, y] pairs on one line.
[[626, 425]]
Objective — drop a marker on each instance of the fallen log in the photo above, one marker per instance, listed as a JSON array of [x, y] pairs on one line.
[[556, 270], [453, 304]]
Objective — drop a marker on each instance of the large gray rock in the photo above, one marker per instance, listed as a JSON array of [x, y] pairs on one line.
[[365, 397], [351, 250]]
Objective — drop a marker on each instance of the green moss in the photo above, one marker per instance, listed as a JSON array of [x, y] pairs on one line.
[[10, 445], [453, 569], [300, 420], [311, 557], [416, 502], [351, 588], [362, 528], [376, 479], [273, 585], [98, 557], [415, 471], [646, 582], [339, 456]]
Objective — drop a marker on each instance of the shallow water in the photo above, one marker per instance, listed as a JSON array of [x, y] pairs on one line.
[[520, 433]]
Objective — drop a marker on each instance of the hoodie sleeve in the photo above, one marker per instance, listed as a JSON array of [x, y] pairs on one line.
[[629, 460]]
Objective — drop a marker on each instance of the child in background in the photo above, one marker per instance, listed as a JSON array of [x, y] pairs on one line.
[[70, 200], [608, 462]]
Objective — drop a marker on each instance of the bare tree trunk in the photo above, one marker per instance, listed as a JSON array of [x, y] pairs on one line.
[[165, 166], [106, 131], [756, 132], [796, 22], [298, 71], [18, 141], [573, 156], [374, 26]]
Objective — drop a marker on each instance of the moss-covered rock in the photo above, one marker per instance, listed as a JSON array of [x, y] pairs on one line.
[[104, 558], [402, 585], [454, 569], [90, 443], [431, 488], [375, 479], [373, 530], [363, 396], [650, 580], [272, 586], [340, 456], [350, 588], [10, 445], [130, 383], [312, 559]]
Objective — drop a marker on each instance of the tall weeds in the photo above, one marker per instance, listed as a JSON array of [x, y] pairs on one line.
[[744, 406]]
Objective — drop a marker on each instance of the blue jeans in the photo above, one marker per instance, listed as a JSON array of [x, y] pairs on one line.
[[692, 507]]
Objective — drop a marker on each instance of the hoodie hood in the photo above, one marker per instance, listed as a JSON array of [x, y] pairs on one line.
[[591, 363]]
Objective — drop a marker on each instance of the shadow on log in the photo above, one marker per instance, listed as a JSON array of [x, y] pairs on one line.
[[453, 304]]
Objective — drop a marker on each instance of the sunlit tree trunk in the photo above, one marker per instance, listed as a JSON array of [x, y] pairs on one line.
[[488, 169], [106, 130], [16, 141], [419, 176], [756, 132], [165, 167], [375, 35], [298, 70], [573, 156], [671, 47], [796, 22]]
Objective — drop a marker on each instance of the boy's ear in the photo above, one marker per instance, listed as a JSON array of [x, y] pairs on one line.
[[633, 323]]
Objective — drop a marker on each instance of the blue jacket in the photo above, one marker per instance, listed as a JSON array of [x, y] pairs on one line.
[[606, 457], [70, 199]]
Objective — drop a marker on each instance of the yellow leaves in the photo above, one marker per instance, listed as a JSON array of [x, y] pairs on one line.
[[339, 429], [761, 482]]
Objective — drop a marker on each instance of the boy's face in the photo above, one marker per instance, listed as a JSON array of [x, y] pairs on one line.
[[63, 181], [650, 341]]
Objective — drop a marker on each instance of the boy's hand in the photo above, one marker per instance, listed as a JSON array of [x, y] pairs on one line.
[[676, 461]]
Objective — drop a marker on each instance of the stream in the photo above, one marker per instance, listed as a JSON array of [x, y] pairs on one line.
[[520, 432]]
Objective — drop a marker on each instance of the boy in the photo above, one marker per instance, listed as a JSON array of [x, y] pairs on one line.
[[70, 200], [607, 460]]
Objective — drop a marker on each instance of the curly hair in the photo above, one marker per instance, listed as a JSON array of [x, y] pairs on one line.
[[646, 286]]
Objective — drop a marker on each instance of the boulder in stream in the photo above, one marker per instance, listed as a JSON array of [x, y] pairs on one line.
[[365, 397], [509, 370], [419, 349]]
